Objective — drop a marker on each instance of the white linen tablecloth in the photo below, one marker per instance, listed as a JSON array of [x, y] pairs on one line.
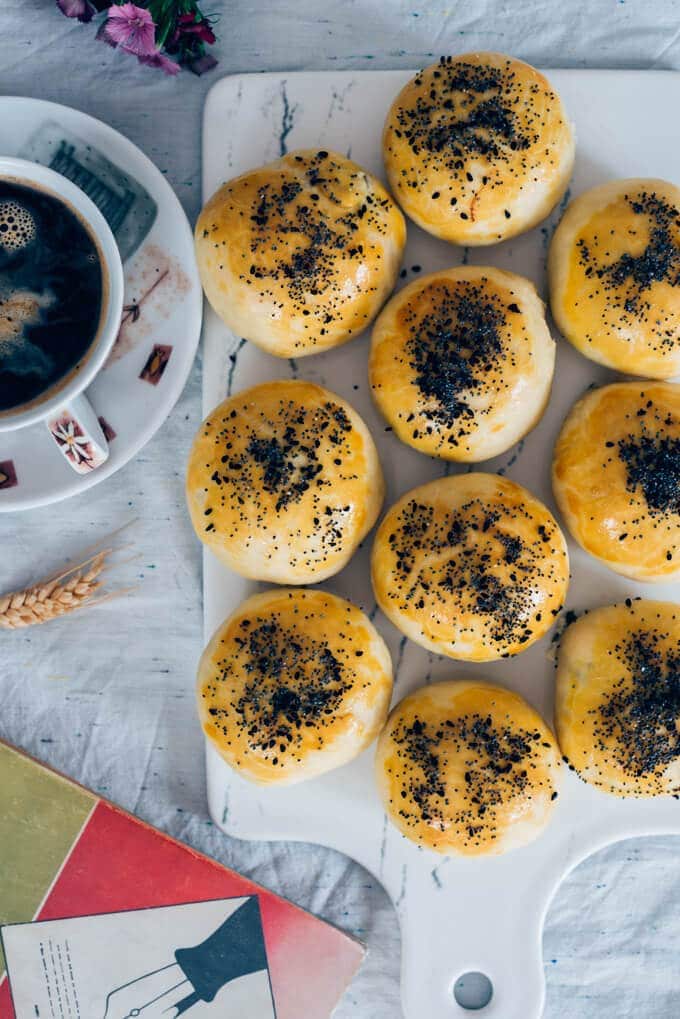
[[107, 696]]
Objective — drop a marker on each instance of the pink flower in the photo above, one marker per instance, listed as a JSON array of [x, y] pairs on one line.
[[80, 9], [158, 59], [131, 28]]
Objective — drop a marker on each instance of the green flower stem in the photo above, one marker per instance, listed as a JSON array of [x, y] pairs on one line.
[[165, 14]]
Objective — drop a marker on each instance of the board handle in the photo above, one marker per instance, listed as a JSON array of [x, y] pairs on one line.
[[467, 919], [486, 915]]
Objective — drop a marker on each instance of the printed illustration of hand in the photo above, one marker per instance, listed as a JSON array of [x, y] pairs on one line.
[[153, 994], [235, 949]]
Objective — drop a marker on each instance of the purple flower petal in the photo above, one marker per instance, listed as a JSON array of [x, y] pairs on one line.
[[203, 64], [158, 59], [80, 9]]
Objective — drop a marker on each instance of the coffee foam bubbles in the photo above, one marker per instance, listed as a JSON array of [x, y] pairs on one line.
[[18, 228]]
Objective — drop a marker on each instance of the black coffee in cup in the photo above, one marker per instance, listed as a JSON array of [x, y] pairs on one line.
[[51, 292]]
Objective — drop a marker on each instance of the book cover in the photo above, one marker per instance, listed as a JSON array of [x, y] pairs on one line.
[[104, 917]]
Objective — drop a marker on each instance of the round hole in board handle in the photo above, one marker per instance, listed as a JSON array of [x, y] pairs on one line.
[[473, 991]]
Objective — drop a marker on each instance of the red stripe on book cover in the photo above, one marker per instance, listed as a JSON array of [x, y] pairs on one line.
[[120, 863]]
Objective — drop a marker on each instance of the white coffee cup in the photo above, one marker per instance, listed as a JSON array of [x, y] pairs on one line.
[[63, 406]]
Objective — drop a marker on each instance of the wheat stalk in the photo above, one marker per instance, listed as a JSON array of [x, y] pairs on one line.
[[70, 590]]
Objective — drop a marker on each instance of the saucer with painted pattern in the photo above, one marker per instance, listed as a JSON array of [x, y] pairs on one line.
[[160, 329]]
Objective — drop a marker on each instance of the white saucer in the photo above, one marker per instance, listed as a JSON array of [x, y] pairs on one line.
[[150, 364]]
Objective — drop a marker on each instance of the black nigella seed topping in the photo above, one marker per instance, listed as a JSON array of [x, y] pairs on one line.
[[480, 119], [315, 235], [293, 681], [627, 280], [653, 465], [269, 460], [497, 759], [453, 559], [452, 349], [568, 618], [638, 723], [661, 258], [280, 471], [289, 458]]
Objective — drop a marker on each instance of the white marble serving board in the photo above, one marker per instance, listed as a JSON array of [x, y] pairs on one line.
[[456, 915]]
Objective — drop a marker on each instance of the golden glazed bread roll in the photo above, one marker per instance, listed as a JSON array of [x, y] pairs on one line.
[[617, 708], [293, 684], [471, 566], [298, 256], [616, 477], [478, 148], [283, 482], [614, 271], [467, 768], [462, 361]]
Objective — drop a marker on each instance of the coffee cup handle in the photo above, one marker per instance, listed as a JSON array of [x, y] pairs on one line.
[[76, 431]]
